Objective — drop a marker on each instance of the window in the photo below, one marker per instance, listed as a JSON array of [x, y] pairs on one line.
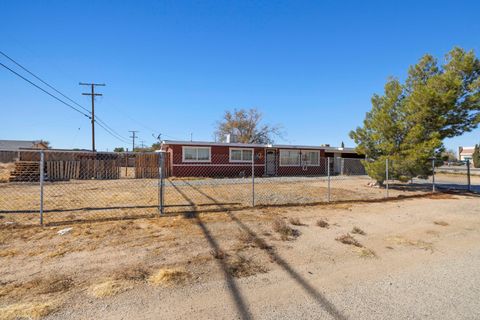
[[241, 155], [310, 158], [196, 154], [289, 157], [299, 157]]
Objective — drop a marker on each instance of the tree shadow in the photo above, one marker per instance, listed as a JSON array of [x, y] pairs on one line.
[[307, 287], [242, 309]]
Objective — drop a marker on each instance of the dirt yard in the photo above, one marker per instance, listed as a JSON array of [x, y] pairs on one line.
[[269, 263], [67, 201]]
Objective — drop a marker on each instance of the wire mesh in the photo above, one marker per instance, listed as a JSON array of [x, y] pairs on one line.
[[84, 185]]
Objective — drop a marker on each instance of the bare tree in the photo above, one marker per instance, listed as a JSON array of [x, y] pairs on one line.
[[246, 126]]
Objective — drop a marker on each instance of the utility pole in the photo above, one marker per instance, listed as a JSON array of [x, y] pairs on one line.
[[133, 136], [92, 94], [142, 144]]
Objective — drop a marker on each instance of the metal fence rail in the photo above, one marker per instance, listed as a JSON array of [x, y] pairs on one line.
[[53, 186]]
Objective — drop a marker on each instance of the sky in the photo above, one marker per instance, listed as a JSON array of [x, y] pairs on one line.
[[174, 67]]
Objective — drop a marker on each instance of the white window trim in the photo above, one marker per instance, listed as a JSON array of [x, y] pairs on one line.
[[241, 149], [288, 165], [301, 164], [311, 165], [195, 147]]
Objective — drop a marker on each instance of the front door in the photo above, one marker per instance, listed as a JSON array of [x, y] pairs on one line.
[[270, 163]]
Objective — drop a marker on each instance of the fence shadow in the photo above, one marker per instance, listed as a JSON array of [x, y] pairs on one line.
[[311, 291]]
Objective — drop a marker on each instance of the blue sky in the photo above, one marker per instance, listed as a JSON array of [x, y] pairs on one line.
[[173, 67]]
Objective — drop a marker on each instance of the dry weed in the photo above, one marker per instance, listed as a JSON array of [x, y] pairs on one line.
[[357, 230], [441, 223], [28, 310], [8, 253], [41, 285], [248, 239], [367, 253], [414, 243], [286, 232], [348, 239], [218, 254], [109, 288], [168, 277], [295, 222], [240, 266], [132, 273], [322, 223]]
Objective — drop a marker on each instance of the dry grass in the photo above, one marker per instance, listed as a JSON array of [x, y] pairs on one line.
[[169, 277], [295, 222], [240, 266], [249, 240], [322, 223], [421, 244], [218, 254], [286, 232], [28, 310], [348, 239], [357, 230], [132, 273], [109, 288], [441, 223], [37, 286], [8, 253], [367, 253]]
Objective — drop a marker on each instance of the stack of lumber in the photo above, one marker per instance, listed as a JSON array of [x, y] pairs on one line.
[[25, 171]]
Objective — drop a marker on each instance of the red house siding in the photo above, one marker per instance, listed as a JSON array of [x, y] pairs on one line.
[[218, 166], [302, 170]]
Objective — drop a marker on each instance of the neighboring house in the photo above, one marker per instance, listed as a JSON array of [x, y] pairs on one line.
[[211, 159], [14, 145], [10, 149], [465, 153]]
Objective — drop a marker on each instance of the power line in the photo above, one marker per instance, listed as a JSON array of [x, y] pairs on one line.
[[111, 133], [43, 81], [45, 91], [110, 130]]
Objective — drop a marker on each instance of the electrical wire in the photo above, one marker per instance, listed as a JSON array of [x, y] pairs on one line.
[[43, 81], [45, 91]]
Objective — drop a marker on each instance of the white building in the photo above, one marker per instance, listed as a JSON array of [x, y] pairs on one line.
[[465, 153]]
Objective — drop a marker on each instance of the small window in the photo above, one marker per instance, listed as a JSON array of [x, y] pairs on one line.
[[196, 154], [289, 157], [310, 158], [241, 155]]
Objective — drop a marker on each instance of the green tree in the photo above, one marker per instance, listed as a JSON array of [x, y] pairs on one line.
[[476, 156], [119, 149], [407, 124]]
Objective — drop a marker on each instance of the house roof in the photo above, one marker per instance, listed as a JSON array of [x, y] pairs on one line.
[[467, 150], [18, 144], [253, 145]]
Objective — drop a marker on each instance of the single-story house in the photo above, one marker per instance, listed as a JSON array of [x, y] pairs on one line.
[[217, 159], [465, 153], [10, 149], [14, 145]]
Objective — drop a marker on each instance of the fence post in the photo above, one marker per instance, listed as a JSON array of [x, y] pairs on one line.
[[42, 176], [433, 175], [161, 182], [253, 180], [386, 176], [469, 186], [328, 179]]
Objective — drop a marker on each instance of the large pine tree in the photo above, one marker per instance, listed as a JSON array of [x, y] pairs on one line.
[[408, 123]]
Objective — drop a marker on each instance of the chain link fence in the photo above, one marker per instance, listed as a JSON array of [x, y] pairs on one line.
[[55, 186]]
